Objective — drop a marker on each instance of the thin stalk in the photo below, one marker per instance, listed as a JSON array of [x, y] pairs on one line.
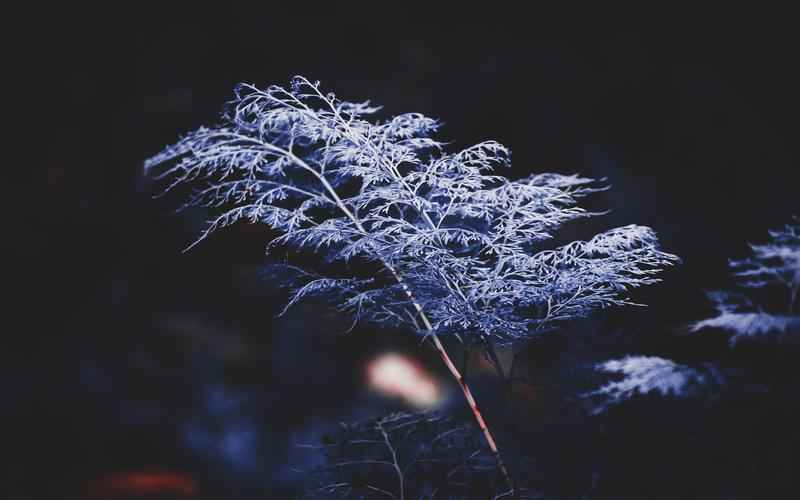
[[465, 362], [507, 380], [443, 353], [423, 317], [473, 405], [511, 383], [398, 471], [490, 350]]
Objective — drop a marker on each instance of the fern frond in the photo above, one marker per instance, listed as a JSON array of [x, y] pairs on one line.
[[464, 240]]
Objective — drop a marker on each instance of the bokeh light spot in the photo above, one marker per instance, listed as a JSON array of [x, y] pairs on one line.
[[394, 374]]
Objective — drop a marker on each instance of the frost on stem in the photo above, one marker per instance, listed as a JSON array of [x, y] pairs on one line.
[[465, 240], [775, 264]]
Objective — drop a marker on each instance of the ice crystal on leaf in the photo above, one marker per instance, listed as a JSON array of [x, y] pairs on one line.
[[455, 239]]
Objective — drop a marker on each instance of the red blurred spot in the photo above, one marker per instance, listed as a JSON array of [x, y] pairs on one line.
[[141, 483], [524, 390]]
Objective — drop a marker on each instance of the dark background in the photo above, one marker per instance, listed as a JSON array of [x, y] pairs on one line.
[[118, 348]]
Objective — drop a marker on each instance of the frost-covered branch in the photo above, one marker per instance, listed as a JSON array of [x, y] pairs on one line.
[[464, 239], [748, 325], [776, 262], [643, 375], [773, 264]]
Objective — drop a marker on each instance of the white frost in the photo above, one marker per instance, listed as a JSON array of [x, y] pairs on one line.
[[749, 325], [645, 375]]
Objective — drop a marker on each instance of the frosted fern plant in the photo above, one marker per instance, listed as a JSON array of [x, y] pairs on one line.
[[459, 245], [773, 264]]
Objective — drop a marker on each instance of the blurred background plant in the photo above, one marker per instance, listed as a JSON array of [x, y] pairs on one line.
[[754, 365]]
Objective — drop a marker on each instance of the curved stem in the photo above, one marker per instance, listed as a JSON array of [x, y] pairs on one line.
[[461, 382], [425, 321]]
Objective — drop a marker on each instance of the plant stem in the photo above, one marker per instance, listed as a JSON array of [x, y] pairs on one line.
[[475, 411], [490, 350], [473, 405], [465, 362], [400, 478], [426, 322]]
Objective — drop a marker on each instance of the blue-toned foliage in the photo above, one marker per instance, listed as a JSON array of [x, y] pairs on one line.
[[457, 240], [772, 264], [644, 375]]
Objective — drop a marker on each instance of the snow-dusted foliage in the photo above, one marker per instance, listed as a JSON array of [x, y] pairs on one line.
[[457, 241], [773, 264], [644, 375]]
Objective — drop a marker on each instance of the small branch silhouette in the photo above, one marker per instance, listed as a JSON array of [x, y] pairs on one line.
[[430, 456]]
